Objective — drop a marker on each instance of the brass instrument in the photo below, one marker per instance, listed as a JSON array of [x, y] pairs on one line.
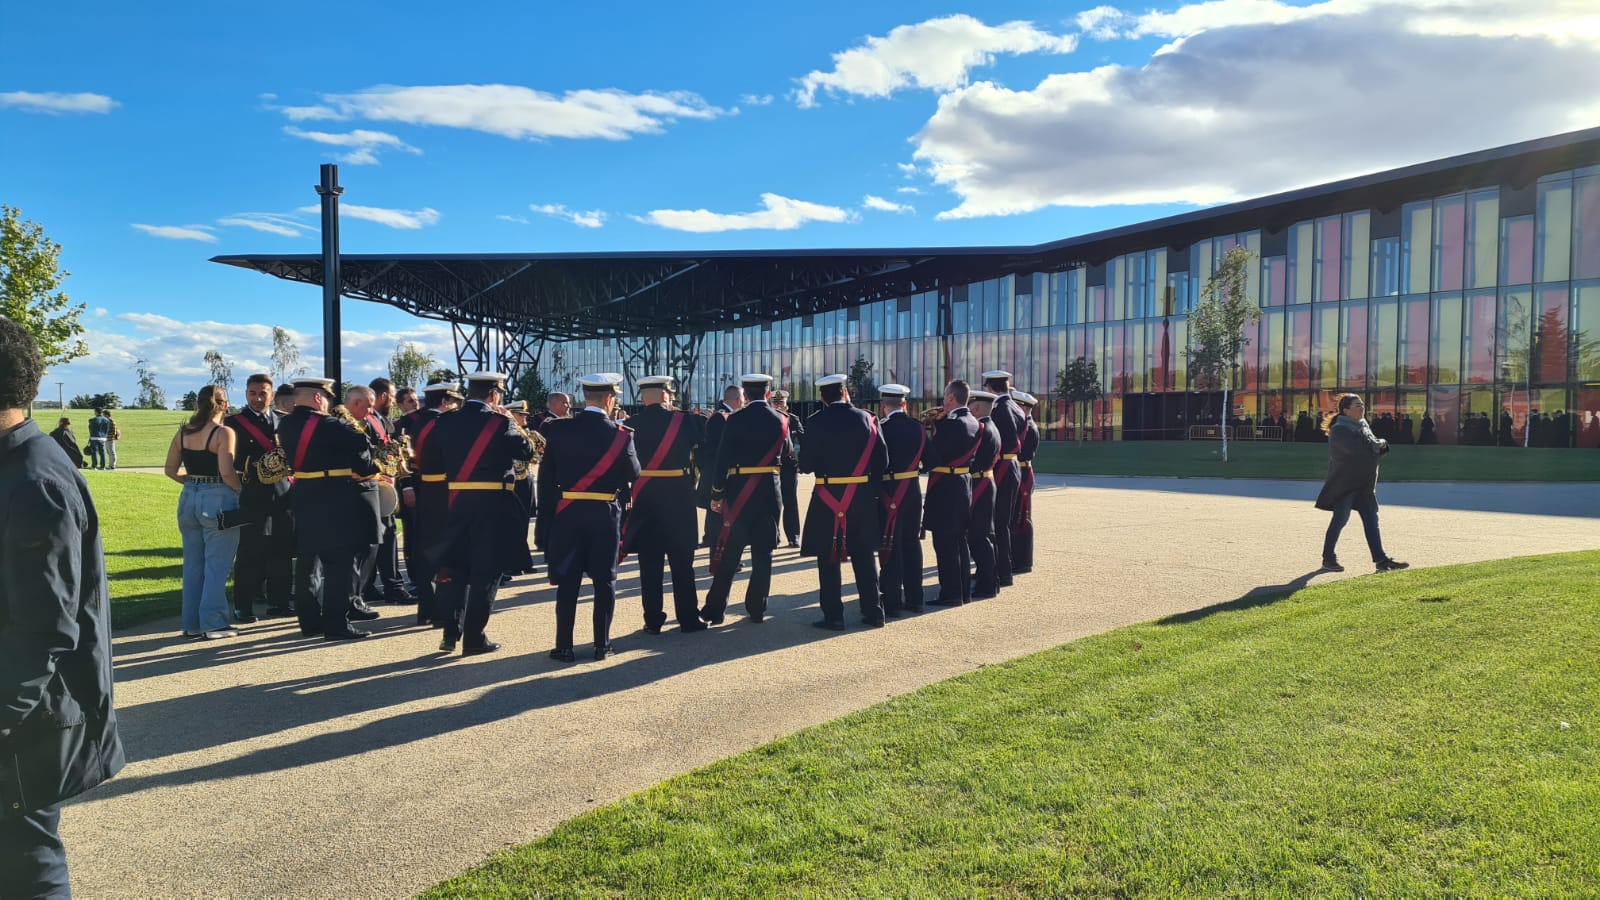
[[394, 458], [273, 466], [930, 418], [519, 467]]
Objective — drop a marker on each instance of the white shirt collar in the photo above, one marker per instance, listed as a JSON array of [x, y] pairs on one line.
[[594, 409]]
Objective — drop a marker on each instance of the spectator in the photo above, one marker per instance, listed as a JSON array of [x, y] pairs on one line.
[[68, 441], [114, 435], [283, 400], [1353, 452], [58, 729], [99, 430], [204, 449]]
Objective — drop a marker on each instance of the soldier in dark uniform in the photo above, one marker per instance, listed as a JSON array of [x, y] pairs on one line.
[[660, 524], [484, 530], [1022, 522], [557, 406], [380, 570], [1011, 423], [335, 500], [956, 439], [789, 464], [746, 497], [588, 459], [732, 400], [980, 524], [900, 504], [266, 540], [523, 474], [423, 504], [847, 454]]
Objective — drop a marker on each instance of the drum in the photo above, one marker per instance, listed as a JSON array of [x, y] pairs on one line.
[[388, 498]]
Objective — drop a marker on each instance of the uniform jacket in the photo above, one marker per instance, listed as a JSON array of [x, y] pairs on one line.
[[706, 458], [1030, 442], [58, 730], [797, 433], [574, 447], [1353, 452], [840, 436], [949, 496], [337, 513], [905, 437], [448, 449], [246, 425], [1009, 422], [747, 440], [665, 505]]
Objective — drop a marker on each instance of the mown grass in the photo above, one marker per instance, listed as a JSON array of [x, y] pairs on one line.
[[1424, 733], [144, 555], [145, 432], [1248, 459]]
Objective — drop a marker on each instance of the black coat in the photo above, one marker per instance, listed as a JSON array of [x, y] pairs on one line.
[[840, 438], [476, 518], [584, 532], [1353, 452], [748, 439], [339, 513], [68, 442], [706, 455], [255, 436], [949, 497], [58, 730], [907, 442], [664, 506]]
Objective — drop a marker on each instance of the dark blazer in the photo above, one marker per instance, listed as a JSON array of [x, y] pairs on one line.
[[1030, 442], [575, 447], [337, 513], [747, 438], [446, 450], [905, 438], [797, 433], [840, 436], [665, 505], [949, 497], [1010, 422], [1353, 452], [249, 448], [706, 456], [58, 730], [68, 442]]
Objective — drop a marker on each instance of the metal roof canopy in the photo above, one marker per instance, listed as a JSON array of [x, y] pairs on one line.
[[568, 296]]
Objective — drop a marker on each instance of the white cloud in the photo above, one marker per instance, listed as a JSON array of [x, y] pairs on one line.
[[179, 232], [269, 223], [593, 218], [394, 218], [513, 111], [362, 144], [520, 220], [57, 103], [756, 99], [777, 213], [1103, 22], [1241, 110], [1559, 19], [100, 312], [936, 54], [909, 170], [872, 201], [908, 189]]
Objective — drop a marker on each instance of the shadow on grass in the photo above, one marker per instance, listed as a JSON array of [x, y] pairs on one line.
[[173, 552], [1260, 596]]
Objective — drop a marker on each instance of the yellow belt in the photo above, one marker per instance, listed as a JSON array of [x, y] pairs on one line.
[[984, 474], [1026, 464], [587, 495], [328, 473], [753, 470], [844, 479], [663, 473], [900, 476], [480, 486], [1006, 456], [433, 479], [948, 470]]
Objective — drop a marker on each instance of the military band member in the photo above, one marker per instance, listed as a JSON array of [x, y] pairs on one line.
[[1022, 523], [980, 523], [956, 439], [788, 463], [847, 454], [587, 460], [381, 560], [732, 401], [900, 504], [1011, 423], [556, 406], [266, 541], [423, 505], [484, 527], [746, 498], [335, 501], [525, 488], [661, 522]]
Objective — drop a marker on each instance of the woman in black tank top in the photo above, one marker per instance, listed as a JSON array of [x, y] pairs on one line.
[[203, 450]]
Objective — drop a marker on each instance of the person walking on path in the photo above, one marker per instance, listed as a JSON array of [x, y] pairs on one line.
[[99, 434], [1353, 452], [58, 727], [204, 449]]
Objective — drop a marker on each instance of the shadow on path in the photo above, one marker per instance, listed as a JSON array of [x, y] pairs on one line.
[[1260, 596]]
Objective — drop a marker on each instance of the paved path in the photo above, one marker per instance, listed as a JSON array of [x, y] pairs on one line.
[[272, 765]]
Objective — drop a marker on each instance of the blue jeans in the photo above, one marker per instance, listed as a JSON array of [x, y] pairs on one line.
[[1368, 508], [207, 554], [97, 453]]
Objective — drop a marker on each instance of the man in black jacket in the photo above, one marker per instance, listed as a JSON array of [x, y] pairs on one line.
[[900, 502], [980, 525], [266, 541], [957, 437], [1022, 522], [789, 463], [746, 499], [1011, 424], [423, 506], [732, 402], [847, 454], [58, 730], [660, 523]]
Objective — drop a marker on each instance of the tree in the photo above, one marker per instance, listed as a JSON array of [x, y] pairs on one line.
[[221, 370], [1078, 383], [1218, 327], [444, 376], [189, 401], [407, 365], [30, 294], [531, 388], [151, 396], [863, 390], [285, 359], [107, 400]]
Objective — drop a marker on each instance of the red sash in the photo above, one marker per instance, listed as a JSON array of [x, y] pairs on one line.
[[964, 460], [422, 434], [475, 454], [894, 500], [1024, 515], [305, 442], [730, 514], [256, 434], [839, 550], [656, 460], [378, 426], [600, 468]]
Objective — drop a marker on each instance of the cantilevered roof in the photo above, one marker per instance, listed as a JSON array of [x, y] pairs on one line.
[[578, 295]]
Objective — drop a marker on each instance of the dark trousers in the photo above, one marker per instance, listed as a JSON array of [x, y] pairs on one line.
[[954, 558], [713, 528], [760, 583], [308, 590], [1006, 485], [863, 546], [264, 568], [340, 569], [33, 861], [605, 604], [1367, 506], [380, 573], [789, 482], [901, 579], [679, 555], [980, 537], [420, 570], [1022, 536]]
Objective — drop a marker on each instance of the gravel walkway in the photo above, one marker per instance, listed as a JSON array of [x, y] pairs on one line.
[[272, 765]]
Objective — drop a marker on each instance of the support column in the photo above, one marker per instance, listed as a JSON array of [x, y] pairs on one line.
[[332, 279]]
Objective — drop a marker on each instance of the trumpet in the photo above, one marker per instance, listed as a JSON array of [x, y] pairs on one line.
[[930, 417]]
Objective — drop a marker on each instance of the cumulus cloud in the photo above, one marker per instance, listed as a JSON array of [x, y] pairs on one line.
[[513, 111], [268, 223], [593, 218], [756, 99], [53, 103], [361, 145], [936, 54], [907, 189], [1239, 110], [872, 201], [408, 219], [520, 220], [777, 213], [179, 232]]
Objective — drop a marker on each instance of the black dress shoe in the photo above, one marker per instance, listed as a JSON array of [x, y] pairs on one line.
[[689, 627], [873, 623], [563, 654], [373, 599], [603, 651], [448, 644], [1007, 583], [346, 634], [311, 632], [830, 626], [940, 601], [912, 609], [279, 612], [758, 617], [891, 614], [709, 621], [244, 617], [652, 629], [365, 614], [985, 595], [476, 649], [1331, 564], [1392, 565], [1022, 571], [398, 598]]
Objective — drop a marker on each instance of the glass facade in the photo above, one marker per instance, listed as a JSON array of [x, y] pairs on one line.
[[1468, 318]]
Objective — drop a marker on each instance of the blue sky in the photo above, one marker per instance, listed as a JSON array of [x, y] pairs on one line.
[[148, 142]]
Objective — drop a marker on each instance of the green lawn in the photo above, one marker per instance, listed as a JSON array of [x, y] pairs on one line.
[[1203, 459], [145, 432], [1430, 732], [139, 529]]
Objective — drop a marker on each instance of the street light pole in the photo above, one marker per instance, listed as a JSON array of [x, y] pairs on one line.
[[61, 396]]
